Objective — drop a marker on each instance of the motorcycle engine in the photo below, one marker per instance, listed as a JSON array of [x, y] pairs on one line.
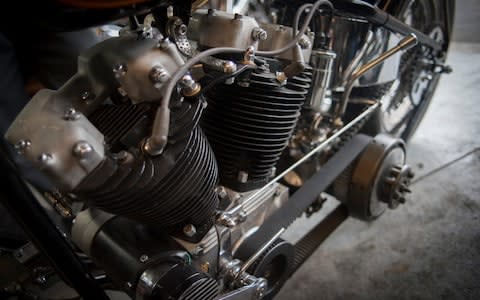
[[89, 138]]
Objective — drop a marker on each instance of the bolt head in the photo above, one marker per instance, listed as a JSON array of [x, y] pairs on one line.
[[304, 42], [237, 16], [120, 70], [222, 193], [158, 75], [45, 158], [258, 34], [199, 250], [71, 114], [82, 149], [164, 44], [229, 67], [281, 78], [143, 258], [22, 145], [242, 176], [86, 95], [189, 230], [205, 267], [189, 86]]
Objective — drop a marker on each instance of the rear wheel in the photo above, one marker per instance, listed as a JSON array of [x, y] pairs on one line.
[[406, 99]]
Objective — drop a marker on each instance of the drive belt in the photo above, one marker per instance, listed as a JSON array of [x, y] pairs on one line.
[[307, 194]]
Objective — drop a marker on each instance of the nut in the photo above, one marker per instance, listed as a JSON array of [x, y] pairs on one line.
[[229, 67], [304, 42], [158, 74], [82, 149], [258, 34], [205, 267], [281, 78], [189, 230], [71, 114]]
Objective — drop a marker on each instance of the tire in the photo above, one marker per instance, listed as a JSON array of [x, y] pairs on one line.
[[434, 18]]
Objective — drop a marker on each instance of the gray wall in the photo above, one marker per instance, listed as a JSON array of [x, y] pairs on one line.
[[467, 21]]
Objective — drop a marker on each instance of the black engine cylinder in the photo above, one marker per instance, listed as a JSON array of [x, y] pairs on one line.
[[249, 126], [168, 190]]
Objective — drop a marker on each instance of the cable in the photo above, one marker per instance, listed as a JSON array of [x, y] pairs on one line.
[[158, 138], [225, 77], [444, 166]]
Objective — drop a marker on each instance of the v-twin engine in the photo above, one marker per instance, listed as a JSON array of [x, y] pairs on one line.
[[167, 150]]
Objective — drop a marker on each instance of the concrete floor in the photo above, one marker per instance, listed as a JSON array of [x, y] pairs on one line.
[[429, 248]]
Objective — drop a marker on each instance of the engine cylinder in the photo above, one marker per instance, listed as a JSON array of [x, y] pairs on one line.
[[249, 127], [168, 190]]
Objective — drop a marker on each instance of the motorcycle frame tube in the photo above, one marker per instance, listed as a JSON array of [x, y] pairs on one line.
[[24, 207], [381, 18]]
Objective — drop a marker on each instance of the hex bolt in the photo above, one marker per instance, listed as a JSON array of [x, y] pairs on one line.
[[71, 114], [41, 280], [189, 230], [237, 16], [258, 34], [158, 74], [119, 70], [273, 171], [281, 78], [427, 77], [242, 176], [189, 86], [82, 149], [45, 158], [205, 267], [22, 145], [143, 258], [222, 193], [164, 44], [229, 67], [304, 42], [86, 95], [242, 216], [199, 250]]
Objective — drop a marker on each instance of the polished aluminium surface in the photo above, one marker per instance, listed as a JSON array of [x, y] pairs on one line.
[[279, 35], [322, 62], [215, 28], [57, 139], [234, 225], [53, 131]]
